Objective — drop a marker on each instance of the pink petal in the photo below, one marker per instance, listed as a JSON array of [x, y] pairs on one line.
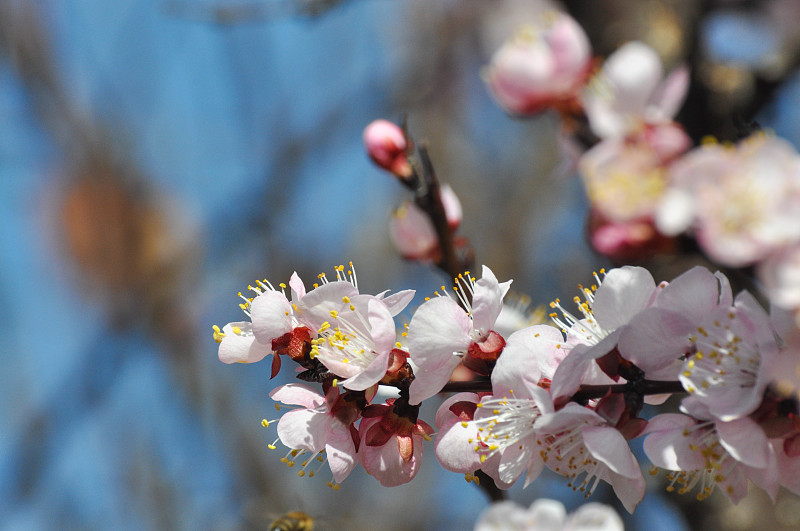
[[340, 450], [297, 286], [656, 338], [297, 395], [745, 441], [374, 372], [427, 383], [608, 446], [444, 415], [624, 292], [439, 328], [304, 429], [693, 294], [315, 307], [670, 94], [382, 328], [526, 351], [397, 302]]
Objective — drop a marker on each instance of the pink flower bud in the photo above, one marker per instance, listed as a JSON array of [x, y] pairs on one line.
[[541, 66], [386, 146]]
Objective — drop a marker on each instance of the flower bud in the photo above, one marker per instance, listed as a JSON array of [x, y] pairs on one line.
[[386, 146], [541, 66]]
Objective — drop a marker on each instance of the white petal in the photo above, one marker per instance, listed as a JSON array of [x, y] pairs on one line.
[[271, 316], [488, 300]]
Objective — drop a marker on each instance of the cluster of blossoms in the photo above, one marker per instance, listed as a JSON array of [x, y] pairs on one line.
[[739, 201], [566, 396]]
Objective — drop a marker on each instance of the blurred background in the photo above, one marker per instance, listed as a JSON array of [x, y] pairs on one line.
[[156, 156]]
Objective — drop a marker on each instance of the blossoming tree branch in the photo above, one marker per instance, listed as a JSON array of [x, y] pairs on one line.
[[566, 390]]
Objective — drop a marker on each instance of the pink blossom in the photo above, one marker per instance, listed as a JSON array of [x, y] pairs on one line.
[[386, 146], [548, 515], [322, 423], [357, 334], [630, 92], [442, 332], [742, 203], [391, 444], [581, 445], [658, 338], [540, 66], [272, 317]]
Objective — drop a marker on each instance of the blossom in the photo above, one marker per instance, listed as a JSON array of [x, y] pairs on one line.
[[387, 145], [272, 317], [741, 203], [548, 515], [441, 332], [391, 443], [541, 66], [706, 454], [579, 444], [631, 92], [356, 331], [626, 178], [321, 424]]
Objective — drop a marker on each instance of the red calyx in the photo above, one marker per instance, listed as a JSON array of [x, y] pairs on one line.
[[482, 355]]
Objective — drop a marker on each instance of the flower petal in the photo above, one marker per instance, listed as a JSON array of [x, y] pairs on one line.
[[439, 328], [625, 291], [427, 383], [271, 316], [487, 301], [242, 347]]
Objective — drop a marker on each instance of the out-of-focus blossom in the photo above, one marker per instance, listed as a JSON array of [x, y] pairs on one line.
[[321, 424], [631, 92], [412, 231], [582, 446], [627, 241], [541, 66], [391, 444], [441, 332], [704, 454], [548, 515], [780, 275], [386, 146], [625, 179], [742, 203], [517, 314]]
